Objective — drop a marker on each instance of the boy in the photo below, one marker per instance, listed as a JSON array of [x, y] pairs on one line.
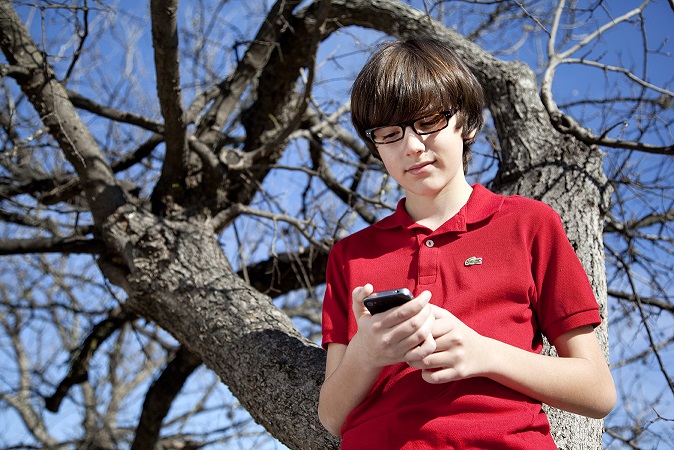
[[459, 366]]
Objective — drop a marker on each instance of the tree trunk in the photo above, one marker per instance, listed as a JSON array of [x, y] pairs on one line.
[[180, 279], [540, 163], [177, 275]]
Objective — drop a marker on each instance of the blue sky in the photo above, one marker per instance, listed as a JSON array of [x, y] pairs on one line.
[[622, 45]]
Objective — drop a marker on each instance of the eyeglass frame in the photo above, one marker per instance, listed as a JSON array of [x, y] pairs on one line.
[[448, 115]]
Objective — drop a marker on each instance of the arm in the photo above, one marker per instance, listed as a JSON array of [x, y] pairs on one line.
[[578, 381], [383, 339]]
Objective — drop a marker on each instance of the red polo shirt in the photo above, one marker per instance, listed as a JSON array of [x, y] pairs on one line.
[[502, 265]]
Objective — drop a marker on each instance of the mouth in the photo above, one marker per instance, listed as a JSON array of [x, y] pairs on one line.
[[419, 167]]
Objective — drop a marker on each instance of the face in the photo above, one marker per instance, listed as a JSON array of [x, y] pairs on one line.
[[426, 165]]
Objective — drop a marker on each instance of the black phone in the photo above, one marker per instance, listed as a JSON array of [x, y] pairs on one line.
[[385, 300]]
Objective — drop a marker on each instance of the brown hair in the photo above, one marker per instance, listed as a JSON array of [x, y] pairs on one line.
[[404, 80]]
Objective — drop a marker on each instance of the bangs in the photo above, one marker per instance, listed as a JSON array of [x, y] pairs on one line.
[[407, 80], [407, 88]]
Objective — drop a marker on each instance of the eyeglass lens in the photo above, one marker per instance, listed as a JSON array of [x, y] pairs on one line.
[[425, 125]]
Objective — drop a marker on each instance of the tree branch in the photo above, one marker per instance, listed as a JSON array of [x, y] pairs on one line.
[[83, 33], [82, 102], [16, 72], [247, 71], [639, 304], [614, 226], [79, 364], [225, 217], [166, 59], [160, 397], [567, 124], [68, 245], [348, 196], [280, 274], [627, 73], [57, 112], [650, 301]]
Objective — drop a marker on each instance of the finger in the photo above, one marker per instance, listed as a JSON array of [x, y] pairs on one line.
[[357, 296], [427, 347], [447, 324], [434, 361], [439, 376], [421, 342], [440, 312], [400, 314], [451, 334], [415, 330]]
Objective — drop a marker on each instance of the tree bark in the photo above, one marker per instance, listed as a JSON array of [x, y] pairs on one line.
[[180, 278], [175, 271]]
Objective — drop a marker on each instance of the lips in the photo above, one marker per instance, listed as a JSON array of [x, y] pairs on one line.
[[419, 167]]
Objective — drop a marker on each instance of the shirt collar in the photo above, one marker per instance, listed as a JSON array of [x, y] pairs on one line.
[[481, 205]]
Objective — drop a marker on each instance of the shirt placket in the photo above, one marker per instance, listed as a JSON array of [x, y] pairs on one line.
[[428, 259]]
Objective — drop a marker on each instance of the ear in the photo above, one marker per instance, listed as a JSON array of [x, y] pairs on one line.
[[470, 136]]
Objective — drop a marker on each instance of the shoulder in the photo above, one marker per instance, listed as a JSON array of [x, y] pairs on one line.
[[532, 218], [392, 223], [528, 209], [356, 239], [515, 208], [526, 204]]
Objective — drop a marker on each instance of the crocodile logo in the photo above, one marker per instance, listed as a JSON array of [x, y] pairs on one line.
[[473, 261]]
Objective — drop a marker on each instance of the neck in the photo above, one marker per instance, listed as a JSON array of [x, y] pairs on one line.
[[433, 211]]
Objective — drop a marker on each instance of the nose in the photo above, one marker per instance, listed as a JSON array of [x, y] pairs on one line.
[[414, 143]]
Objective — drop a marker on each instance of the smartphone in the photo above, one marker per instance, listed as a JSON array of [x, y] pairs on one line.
[[385, 300]]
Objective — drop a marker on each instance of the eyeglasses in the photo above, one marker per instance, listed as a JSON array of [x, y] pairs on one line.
[[425, 125]]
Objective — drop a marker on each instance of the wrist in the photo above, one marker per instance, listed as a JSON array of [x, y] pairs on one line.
[[490, 364], [359, 353]]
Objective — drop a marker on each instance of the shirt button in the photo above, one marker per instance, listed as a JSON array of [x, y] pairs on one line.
[[430, 243]]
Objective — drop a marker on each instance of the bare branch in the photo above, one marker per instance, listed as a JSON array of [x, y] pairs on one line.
[[68, 245], [82, 34], [655, 302], [225, 218], [17, 72], [20, 399], [538, 22], [51, 101], [565, 123], [621, 70], [166, 58], [348, 196], [278, 275], [644, 321], [161, 395], [613, 225], [230, 91], [79, 365], [82, 102], [596, 33]]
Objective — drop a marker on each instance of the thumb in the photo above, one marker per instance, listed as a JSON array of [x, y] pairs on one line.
[[357, 297]]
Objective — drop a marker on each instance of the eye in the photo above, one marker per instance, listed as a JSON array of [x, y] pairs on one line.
[[430, 122], [385, 134]]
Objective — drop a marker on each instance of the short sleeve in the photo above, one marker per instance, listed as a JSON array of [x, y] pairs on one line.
[[336, 301], [564, 296]]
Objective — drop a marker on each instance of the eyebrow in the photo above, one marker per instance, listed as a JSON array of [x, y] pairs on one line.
[[409, 117]]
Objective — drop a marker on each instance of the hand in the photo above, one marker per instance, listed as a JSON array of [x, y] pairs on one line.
[[459, 353], [400, 334]]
